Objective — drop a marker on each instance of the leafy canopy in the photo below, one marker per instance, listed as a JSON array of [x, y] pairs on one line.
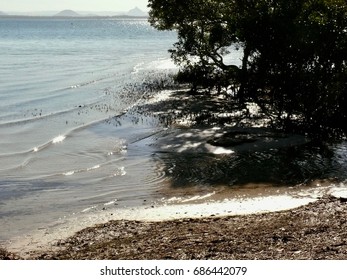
[[294, 62]]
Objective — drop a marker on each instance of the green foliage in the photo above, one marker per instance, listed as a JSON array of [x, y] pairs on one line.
[[294, 61]]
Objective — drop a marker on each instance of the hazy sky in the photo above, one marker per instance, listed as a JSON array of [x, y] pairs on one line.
[[80, 5]]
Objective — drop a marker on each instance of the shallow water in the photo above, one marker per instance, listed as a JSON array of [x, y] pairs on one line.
[[64, 139]]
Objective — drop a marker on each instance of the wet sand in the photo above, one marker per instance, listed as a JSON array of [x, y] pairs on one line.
[[315, 231]]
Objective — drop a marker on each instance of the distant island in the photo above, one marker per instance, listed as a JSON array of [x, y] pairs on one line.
[[67, 13], [135, 12]]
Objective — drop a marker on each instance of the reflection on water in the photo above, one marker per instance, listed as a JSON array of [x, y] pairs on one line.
[[282, 167]]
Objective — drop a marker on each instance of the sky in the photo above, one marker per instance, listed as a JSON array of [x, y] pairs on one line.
[[77, 5]]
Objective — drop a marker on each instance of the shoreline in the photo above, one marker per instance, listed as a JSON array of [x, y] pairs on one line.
[[175, 208], [312, 232], [51, 243], [107, 229]]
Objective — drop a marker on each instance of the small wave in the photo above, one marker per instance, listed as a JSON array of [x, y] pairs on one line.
[[27, 120], [83, 84], [94, 167], [59, 139], [87, 83], [189, 199], [55, 140], [73, 172], [88, 209], [111, 202]]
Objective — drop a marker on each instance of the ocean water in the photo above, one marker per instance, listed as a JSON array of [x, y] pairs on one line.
[[64, 139]]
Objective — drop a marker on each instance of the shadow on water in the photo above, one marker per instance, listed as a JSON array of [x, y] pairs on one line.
[[275, 167], [286, 165]]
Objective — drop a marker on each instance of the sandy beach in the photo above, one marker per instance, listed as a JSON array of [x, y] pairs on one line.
[[312, 232]]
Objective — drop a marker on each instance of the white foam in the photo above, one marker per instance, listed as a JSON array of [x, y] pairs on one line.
[[339, 192], [198, 197], [137, 68], [94, 167], [226, 207], [70, 173], [88, 209], [120, 172], [59, 139], [185, 199], [221, 208], [223, 151]]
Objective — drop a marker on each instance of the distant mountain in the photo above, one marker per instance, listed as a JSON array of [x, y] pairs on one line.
[[67, 13], [136, 12]]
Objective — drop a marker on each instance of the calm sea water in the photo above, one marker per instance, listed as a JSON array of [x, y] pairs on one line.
[[62, 147]]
